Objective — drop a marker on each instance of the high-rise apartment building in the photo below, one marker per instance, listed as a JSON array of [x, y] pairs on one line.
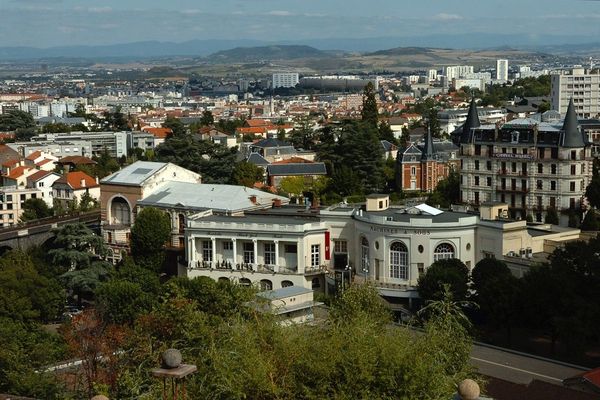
[[581, 86], [502, 70], [530, 165], [285, 79], [457, 71]]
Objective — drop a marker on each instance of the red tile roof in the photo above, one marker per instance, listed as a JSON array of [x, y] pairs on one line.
[[160, 133], [253, 129], [256, 122], [74, 180], [294, 160], [34, 155], [39, 175], [11, 163], [76, 160], [18, 172]]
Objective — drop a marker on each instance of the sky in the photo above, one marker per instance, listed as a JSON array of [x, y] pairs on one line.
[[47, 23]]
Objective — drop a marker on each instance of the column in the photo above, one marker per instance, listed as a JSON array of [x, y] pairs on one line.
[[300, 257], [214, 252], [255, 263], [234, 248], [276, 255], [191, 253]]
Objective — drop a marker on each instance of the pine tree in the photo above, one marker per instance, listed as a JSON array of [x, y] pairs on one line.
[[369, 107]]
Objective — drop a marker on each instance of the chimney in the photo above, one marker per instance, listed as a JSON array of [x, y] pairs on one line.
[[276, 203], [83, 183], [253, 199]]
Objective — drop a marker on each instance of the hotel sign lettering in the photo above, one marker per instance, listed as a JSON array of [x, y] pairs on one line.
[[514, 156], [394, 231]]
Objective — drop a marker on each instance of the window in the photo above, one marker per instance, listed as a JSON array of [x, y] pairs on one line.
[[207, 254], [443, 251], [109, 237], [488, 165], [9, 197], [315, 255], [573, 167], [572, 186], [286, 284], [266, 284], [476, 181], [538, 184], [291, 248], [552, 185], [23, 197], [270, 254], [413, 171], [573, 155], [340, 246], [41, 184], [364, 254], [540, 168], [421, 268], [489, 181], [477, 164], [553, 169], [398, 261], [249, 253], [227, 245]]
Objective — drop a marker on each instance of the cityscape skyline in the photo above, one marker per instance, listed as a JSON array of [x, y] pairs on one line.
[[69, 22]]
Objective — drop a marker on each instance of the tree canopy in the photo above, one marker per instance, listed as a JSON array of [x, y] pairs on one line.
[[369, 112], [149, 234], [452, 272], [214, 162]]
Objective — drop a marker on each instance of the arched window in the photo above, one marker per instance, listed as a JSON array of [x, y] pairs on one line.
[[398, 261], [364, 254], [181, 223], [443, 251], [120, 212], [286, 283], [223, 279], [245, 282], [266, 284]]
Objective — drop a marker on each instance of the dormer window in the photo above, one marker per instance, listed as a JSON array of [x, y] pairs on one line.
[[514, 137]]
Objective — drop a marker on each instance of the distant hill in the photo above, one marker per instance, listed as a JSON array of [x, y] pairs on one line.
[[259, 53], [401, 51]]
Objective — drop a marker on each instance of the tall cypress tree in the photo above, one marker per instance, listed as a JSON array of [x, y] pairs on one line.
[[369, 106]]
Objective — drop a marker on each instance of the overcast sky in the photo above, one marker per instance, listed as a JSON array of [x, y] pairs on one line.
[[43, 23]]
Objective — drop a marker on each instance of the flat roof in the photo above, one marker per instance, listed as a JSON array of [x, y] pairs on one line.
[[134, 174], [282, 293], [204, 196]]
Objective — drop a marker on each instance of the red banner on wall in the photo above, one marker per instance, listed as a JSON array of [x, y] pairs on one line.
[[327, 245]]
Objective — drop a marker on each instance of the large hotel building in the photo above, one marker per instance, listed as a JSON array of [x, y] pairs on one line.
[[530, 165]]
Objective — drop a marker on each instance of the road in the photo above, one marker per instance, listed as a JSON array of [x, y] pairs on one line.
[[519, 367]]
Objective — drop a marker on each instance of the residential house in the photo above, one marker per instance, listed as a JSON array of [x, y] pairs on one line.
[[43, 181], [69, 188], [11, 203]]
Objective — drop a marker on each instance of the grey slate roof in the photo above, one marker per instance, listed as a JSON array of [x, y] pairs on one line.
[[572, 136], [134, 174], [317, 168], [428, 152], [471, 122], [271, 142], [203, 196], [257, 159]]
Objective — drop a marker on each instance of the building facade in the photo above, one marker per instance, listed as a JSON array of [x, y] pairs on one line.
[[421, 167], [502, 70], [285, 79], [582, 86], [533, 166]]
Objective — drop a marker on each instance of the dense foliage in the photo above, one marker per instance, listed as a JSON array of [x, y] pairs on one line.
[[149, 234]]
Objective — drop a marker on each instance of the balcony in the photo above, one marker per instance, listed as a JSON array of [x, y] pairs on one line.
[[512, 189], [510, 173]]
